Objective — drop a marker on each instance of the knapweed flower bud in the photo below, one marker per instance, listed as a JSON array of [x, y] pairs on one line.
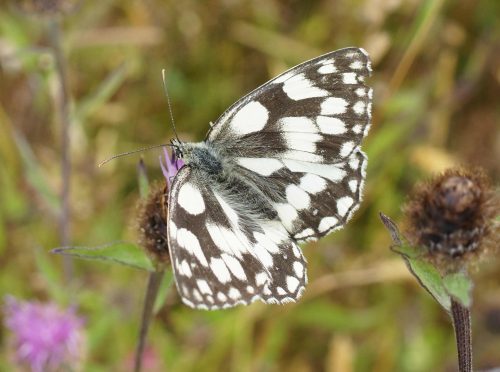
[[153, 224], [452, 214], [45, 337]]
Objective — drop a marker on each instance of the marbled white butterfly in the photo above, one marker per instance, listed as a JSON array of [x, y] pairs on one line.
[[282, 165]]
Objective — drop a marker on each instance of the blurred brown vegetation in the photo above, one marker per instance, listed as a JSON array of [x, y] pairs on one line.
[[436, 83]]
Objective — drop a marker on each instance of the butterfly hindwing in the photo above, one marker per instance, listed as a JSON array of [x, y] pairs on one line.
[[218, 260]]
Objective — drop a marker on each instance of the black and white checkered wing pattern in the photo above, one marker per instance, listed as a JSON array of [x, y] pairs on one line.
[[298, 139], [223, 257]]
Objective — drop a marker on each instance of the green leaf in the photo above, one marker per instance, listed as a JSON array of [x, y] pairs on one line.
[[122, 253], [430, 278], [459, 286], [426, 274]]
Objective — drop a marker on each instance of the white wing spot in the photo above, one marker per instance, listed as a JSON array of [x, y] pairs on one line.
[[250, 289], [296, 251], [353, 185], [186, 270], [203, 286], [343, 205], [221, 297], [328, 171], [330, 125], [226, 240], [187, 240], [358, 128], [299, 124], [312, 183], [326, 61], [298, 268], [263, 255], [190, 199], [280, 291], [197, 295], [349, 78], [327, 69], [356, 65], [297, 197], [299, 87], [220, 270], [262, 166], [234, 266], [346, 148], [266, 243], [261, 278], [287, 215], [302, 141], [234, 293], [327, 223], [304, 233], [359, 108], [354, 163], [360, 92], [250, 118], [292, 283], [333, 106], [302, 156]]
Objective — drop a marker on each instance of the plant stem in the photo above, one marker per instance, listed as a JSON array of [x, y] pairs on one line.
[[62, 103], [154, 282], [462, 324]]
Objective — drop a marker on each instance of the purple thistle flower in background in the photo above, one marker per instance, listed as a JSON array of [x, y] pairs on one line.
[[45, 337], [171, 166]]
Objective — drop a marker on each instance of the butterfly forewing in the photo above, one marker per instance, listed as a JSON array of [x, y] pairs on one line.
[[281, 165], [301, 133]]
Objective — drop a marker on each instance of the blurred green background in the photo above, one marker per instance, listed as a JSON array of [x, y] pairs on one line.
[[436, 87]]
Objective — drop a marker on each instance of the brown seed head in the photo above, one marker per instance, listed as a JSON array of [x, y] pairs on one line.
[[153, 224], [451, 214]]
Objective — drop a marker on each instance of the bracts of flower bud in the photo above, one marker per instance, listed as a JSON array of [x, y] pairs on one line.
[[152, 221], [452, 216]]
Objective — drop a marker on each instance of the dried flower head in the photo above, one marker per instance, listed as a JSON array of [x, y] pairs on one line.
[[45, 337], [452, 214], [153, 224]]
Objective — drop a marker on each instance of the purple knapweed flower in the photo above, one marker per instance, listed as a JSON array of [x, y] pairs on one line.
[[44, 336], [171, 166]]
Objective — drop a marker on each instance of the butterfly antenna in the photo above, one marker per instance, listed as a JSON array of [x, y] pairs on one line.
[[133, 152], [164, 76]]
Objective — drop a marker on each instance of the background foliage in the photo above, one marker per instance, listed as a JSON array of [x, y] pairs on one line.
[[436, 76]]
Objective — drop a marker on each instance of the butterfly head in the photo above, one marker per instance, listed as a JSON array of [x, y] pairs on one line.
[[178, 148]]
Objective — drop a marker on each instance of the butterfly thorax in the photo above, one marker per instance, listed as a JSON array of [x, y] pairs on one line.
[[202, 157]]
